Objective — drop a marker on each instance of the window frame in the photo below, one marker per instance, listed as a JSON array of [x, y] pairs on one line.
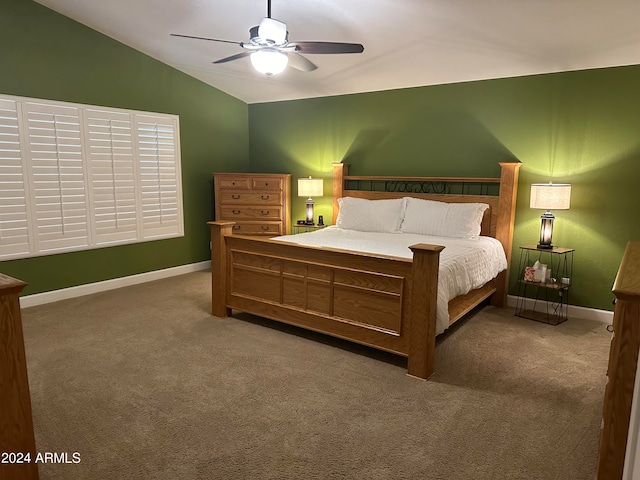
[[77, 177]]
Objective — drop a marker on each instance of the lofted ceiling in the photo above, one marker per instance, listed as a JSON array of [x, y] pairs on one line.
[[407, 43]]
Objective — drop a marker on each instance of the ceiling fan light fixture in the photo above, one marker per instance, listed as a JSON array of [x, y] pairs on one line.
[[269, 61]]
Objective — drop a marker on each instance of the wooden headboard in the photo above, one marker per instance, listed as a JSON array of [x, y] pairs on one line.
[[498, 193]]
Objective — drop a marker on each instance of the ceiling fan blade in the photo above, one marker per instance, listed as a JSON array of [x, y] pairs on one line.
[[327, 47], [233, 57], [298, 62], [205, 38]]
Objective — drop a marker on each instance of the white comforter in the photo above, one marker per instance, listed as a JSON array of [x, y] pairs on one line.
[[464, 264]]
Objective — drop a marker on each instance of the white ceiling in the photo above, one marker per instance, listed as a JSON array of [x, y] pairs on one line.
[[407, 42]]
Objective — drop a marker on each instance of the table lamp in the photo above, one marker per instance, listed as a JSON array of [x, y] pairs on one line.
[[310, 187], [549, 196]]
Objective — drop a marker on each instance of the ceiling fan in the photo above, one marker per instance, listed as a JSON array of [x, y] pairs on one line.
[[270, 50]]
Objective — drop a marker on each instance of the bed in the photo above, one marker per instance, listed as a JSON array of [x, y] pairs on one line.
[[384, 299]]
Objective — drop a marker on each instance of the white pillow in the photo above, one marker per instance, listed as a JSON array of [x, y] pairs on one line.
[[441, 219], [370, 215]]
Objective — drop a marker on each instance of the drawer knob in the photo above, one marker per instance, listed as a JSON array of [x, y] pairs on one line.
[[235, 212], [265, 212], [264, 227], [235, 197], [265, 197], [236, 227]]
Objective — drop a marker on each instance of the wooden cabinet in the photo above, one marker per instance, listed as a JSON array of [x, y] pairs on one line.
[[16, 424], [259, 203], [623, 362]]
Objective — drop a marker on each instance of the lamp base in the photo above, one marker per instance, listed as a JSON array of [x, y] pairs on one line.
[[546, 230], [309, 205]]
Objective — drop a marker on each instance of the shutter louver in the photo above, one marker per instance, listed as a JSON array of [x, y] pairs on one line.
[[159, 176], [111, 175], [58, 195], [14, 220]]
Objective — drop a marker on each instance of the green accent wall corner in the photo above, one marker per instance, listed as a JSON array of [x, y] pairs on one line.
[[46, 55], [571, 127]]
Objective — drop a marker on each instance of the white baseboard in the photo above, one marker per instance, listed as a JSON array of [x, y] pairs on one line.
[[71, 292], [603, 316]]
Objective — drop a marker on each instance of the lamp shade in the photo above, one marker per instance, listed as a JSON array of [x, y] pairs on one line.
[[269, 61], [550, 196], [310, 187]]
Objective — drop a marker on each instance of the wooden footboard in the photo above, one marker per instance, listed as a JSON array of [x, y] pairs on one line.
[[384, 302]]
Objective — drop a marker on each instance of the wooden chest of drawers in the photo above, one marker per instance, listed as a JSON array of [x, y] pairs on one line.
[[257, 202], [620, 423], [16, 421]]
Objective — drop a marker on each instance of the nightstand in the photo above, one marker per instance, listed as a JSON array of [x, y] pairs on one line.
[[545, 300], [307, 228]]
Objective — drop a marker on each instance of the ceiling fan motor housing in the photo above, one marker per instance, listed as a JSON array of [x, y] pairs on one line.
[[270, 32]]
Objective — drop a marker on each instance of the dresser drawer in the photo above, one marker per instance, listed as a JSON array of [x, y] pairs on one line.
[[246, 212], [262, 228], [266, 183], [235, 183], [250, 198]]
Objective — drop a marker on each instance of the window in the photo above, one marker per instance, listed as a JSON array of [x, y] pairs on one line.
[[74, 177]]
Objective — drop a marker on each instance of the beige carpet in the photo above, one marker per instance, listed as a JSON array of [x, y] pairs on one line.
[[144, 384]]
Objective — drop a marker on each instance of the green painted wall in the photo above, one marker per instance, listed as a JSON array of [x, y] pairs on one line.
[[46, 55], [576, 127]]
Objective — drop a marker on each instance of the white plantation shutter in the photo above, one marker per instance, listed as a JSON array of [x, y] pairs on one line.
[[74, 177], [14, 232], [56, 167], [111, 175], [159, 175]]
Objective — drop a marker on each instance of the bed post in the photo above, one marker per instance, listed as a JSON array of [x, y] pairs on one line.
[[340, 170], [422, 310], [219, 277], [504, 225]]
